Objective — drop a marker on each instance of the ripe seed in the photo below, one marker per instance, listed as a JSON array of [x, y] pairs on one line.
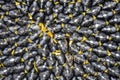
[[59, 39]]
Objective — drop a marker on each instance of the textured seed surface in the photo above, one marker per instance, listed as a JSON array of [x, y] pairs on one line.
[[59, 39]]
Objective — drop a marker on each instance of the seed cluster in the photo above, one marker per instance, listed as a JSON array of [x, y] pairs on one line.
[[59, 40]]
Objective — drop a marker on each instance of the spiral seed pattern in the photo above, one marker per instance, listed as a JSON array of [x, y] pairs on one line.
[[59, 39]]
